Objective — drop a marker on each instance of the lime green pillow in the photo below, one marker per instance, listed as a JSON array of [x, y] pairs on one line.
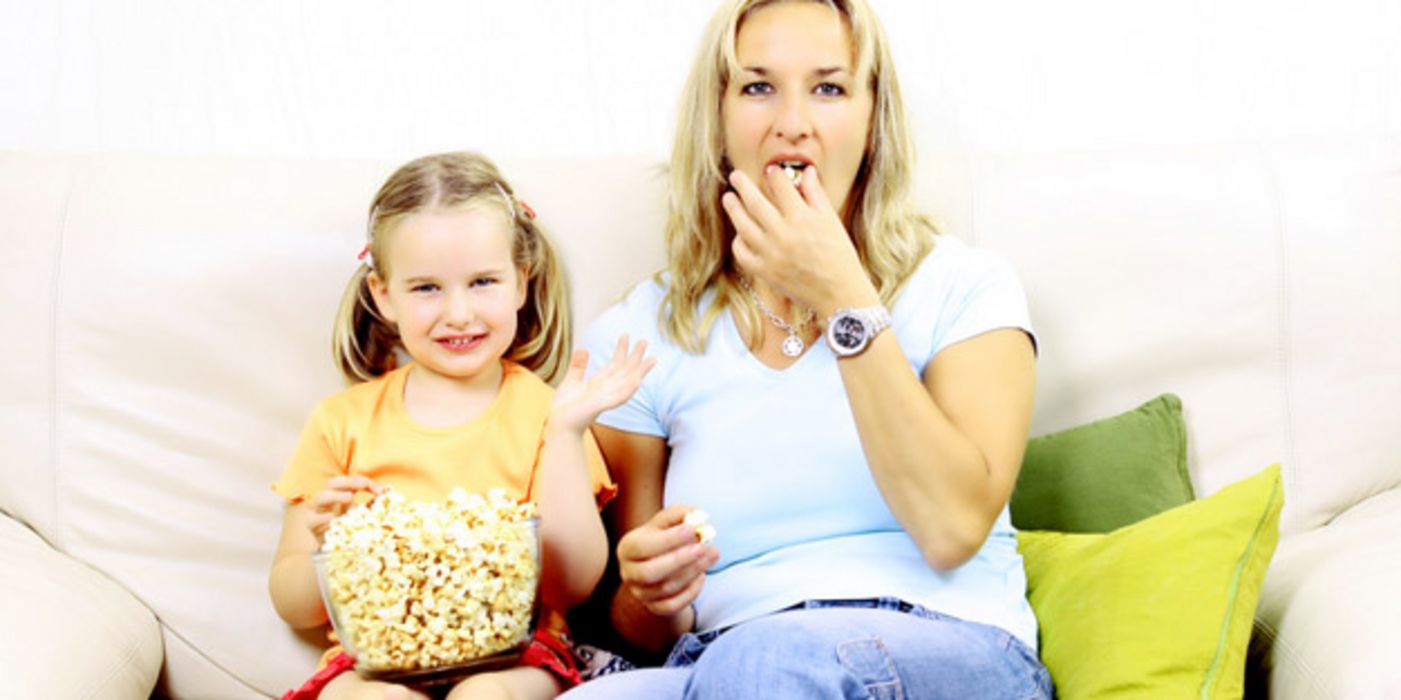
[[1107, 474], [1162, 608]]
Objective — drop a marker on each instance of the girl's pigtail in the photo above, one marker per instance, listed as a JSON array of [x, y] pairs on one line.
[[362, 342], [543, 327]]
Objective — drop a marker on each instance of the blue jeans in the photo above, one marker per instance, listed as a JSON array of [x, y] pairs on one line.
[[877, 649]]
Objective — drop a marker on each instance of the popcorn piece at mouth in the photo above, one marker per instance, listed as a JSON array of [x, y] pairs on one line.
[[794, 172], [700, 520]]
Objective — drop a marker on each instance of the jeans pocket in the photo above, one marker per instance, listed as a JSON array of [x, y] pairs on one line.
[[869, 663]]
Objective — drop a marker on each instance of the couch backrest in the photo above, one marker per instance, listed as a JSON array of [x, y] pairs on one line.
[[170, 320]]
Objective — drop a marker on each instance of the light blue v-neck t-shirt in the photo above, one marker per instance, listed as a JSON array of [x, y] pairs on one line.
[[773, 455]]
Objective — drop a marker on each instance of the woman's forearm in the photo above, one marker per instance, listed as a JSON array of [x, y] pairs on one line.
[[944, 450], [652, 634]]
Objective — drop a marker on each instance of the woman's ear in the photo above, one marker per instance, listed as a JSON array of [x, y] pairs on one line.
[[380, 292]]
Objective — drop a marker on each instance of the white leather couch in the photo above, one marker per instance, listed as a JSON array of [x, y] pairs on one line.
[[168, 325]]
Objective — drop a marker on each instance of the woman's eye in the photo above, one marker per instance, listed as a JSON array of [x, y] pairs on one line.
[[756, 88], [830, 90]]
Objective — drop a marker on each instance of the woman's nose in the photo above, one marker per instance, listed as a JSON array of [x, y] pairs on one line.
[[793, 121]]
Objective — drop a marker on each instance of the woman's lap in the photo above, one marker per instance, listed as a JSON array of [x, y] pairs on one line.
[[840, 652]]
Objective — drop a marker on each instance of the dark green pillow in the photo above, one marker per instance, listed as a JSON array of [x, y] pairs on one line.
[[1107, 474]]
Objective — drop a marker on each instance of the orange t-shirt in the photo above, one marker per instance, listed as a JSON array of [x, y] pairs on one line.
[[365, 430]]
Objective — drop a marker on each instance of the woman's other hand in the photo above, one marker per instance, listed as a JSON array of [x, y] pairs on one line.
[[662, 563]]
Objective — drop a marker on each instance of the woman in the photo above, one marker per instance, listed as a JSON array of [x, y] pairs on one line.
[[845, 393]]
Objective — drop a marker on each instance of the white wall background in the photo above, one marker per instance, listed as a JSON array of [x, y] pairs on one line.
[[364, 78]]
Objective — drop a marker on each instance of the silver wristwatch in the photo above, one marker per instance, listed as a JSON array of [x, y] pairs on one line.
[[849, 331]]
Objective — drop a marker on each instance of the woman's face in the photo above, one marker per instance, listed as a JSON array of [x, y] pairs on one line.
[[796, 98]]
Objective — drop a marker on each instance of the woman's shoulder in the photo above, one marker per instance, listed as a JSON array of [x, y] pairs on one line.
[[635, 314], [953, 263]]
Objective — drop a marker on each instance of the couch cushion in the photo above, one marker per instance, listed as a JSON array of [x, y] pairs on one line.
[[1107, 474], [1161, 608], [1330, 609], [69, 631]]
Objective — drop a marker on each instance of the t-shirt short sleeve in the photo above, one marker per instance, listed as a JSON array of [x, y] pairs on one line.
[[314, 461], [636, 317], [994, 298], [603, 487]]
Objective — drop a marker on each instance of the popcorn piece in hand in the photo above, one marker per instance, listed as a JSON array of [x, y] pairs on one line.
[[700, 520]]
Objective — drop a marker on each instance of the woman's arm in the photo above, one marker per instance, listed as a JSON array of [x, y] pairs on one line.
[[660, 562], [943, 448]]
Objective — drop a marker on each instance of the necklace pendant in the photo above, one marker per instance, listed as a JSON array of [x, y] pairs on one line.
[[793, 345]]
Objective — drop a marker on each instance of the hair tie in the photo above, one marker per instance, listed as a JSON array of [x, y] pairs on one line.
[[524, 209], [365, 255]]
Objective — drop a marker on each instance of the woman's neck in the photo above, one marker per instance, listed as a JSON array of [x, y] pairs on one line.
[[440, 401]]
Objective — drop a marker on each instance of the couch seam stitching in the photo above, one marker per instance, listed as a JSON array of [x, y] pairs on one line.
[[197, 651], [1285, 357], [59, 537], [131, 650]]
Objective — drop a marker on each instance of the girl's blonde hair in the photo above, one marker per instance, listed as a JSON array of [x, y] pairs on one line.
[[364, 343], [890, 236]]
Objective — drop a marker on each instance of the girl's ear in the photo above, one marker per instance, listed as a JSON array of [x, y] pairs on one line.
[[522, 284], [380, 291]]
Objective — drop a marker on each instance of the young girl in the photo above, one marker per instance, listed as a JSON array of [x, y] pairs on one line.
[[459, 277]]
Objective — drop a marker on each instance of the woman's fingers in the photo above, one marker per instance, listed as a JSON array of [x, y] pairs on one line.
[[666, 607]]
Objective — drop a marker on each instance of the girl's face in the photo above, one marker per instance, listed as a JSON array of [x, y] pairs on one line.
[[796, 97], [453, 290]]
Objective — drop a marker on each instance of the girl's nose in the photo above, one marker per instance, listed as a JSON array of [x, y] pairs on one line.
[[459, 309]]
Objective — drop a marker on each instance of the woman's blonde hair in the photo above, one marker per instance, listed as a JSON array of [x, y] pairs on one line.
[[890, 236], [364, 343]]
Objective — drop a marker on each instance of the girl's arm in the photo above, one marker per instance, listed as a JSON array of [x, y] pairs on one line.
[[292, 584], [574, 544], [944, 448], [661, 565]]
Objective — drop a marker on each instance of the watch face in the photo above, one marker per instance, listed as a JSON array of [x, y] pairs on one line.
[[848, 332]]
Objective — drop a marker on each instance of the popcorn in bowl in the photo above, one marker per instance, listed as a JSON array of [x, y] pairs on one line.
[[424, 591]]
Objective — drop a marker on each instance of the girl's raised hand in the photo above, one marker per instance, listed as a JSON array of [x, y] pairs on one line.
[[662, 562], [578, 401], [796, 243], [333, 501]]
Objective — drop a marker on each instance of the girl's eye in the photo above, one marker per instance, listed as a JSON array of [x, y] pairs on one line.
[[483, 281], [756, 88], [830, 90], [423, 288]]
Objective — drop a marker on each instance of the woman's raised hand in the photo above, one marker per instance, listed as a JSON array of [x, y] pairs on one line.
[[662, 563], [796, 243], [578, 401], [335, 500]]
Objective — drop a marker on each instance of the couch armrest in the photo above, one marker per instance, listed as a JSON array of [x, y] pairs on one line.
[[69, 631]]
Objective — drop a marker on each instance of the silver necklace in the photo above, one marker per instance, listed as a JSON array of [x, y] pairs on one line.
[[793, 345]]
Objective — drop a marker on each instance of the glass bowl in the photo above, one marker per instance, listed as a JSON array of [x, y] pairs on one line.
[[437, 607]]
